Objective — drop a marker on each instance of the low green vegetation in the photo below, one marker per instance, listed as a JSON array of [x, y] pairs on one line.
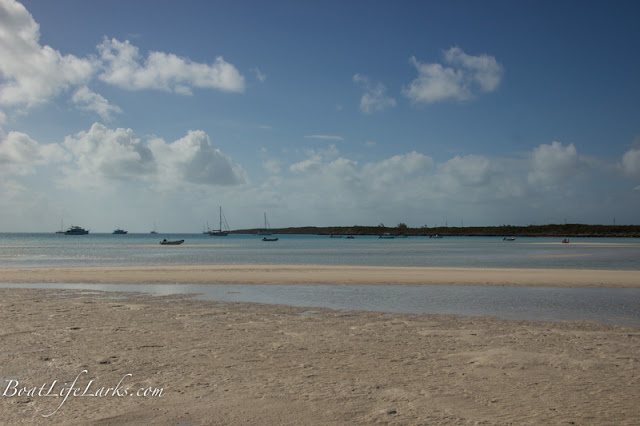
[[568, 230]]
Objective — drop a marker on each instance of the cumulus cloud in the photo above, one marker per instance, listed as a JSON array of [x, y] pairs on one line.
[[345, 178], [631, 162], [475, 177], [124, 67], [193, 159], [553, 164], [103, 153], [461, 78], [19, 154], [471, 170], [374, 98], [395, 169], [315, 160], [91, 101], [31, 73]]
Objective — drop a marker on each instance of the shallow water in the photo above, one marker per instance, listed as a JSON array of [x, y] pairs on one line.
[[616, 306], [54, 250], [613, 306]]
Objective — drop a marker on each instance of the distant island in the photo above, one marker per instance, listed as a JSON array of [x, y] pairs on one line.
[[552, 230]]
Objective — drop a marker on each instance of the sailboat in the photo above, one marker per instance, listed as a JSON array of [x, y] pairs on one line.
[[154, 228], [61, 231], [267, 228], [220, 232]]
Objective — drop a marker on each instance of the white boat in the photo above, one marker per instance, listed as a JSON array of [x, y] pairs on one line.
[[76, 230], [166, 242], [220, 232]]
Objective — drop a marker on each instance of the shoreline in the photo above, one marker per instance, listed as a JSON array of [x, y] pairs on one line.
[[324, 274], [239, 363]]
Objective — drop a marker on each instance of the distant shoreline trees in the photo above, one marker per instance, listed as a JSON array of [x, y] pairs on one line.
[[551, 230]]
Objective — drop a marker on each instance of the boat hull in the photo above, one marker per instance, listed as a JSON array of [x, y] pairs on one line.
[[171, 243]]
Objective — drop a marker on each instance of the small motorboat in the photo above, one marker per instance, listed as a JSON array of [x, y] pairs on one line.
[[269, 239], [166, 242], [509, 239], [565, 241]]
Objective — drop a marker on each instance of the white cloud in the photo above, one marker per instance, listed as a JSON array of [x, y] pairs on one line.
[[374, 98], [325, 137], [19, 154], [315, 160], [482, 70], [193, 160], [464, 78], [123, 67], [272, 166], [475, 178], [471, 170], [631, 162], [311, 164], [324, 187], [91, 101], [336, 174], [31, 73], [106, 154], [260, 75], [553, 164], [103, 156]]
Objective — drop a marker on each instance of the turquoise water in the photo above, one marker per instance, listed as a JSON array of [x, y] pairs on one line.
[[614, 306], [51, 250]]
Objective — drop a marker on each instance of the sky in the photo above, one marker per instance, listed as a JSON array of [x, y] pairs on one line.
[[318, 113]]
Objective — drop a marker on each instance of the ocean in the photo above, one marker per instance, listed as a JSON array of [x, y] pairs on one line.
[[58, 250], [614, 306]]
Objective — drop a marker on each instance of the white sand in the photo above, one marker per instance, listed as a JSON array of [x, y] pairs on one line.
[[320, 274]]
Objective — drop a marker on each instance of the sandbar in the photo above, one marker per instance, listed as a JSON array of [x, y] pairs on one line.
[[323, 274], [231, 363]]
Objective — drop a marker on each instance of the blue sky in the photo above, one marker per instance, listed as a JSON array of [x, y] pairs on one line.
[[120, 113]]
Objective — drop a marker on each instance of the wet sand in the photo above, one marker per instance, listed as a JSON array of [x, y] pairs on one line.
[[229, 363], [320, 274]]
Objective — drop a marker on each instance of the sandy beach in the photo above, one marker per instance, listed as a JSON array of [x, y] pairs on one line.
[[72, 357], [321, 274], [227, 363]]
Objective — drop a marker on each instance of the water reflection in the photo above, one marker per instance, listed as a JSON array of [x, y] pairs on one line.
[[607, 305]]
